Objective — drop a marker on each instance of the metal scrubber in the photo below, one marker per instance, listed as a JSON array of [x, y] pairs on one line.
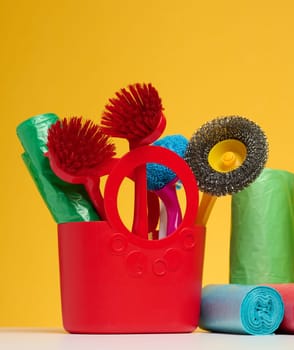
[[219, 183]]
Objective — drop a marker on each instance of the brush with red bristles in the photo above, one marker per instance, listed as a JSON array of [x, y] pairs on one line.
[[79, 152], [136, 114]]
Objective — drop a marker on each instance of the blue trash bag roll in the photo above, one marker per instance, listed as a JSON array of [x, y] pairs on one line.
[[241, 309]]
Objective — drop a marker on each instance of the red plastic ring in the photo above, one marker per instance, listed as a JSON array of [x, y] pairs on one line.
[[138, 157]]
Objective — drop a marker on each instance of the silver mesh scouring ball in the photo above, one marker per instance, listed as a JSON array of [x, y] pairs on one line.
[[227, 154]]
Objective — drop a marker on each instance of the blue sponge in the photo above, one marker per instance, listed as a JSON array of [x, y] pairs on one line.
[[158, 175]]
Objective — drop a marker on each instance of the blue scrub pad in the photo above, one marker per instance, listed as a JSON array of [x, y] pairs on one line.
[[158, 175], [241, 309]]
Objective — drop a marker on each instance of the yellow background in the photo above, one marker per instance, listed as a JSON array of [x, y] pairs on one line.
[[206, 58]]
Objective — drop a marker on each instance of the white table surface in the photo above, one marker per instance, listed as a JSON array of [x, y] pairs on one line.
[[53, 339]]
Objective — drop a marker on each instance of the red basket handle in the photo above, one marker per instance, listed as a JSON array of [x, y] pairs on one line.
[[138, 157]]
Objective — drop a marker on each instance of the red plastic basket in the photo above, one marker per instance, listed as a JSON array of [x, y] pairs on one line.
[[113, 281], [117, 283]]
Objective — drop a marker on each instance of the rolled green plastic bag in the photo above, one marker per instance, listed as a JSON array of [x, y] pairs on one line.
[[262, 230], [66, 202], [240, 309]]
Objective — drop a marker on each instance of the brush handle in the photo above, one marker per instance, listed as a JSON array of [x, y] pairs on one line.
[[168, 195], [163, 221], [140, 221], [205, 207], [153, 211], [92, 186]]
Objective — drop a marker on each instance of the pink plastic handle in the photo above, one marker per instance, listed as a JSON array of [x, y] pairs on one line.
[[169, 197], [137, 157]]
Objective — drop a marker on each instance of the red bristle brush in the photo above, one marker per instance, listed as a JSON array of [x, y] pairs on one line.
[[79, 152], [136, 114]]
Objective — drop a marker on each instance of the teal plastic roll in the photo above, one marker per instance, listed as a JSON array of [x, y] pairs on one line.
[[262, 230], [66, 202], [241, 309]]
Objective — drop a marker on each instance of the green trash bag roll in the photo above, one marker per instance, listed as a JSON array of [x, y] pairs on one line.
[[66, 202], [262, 230]]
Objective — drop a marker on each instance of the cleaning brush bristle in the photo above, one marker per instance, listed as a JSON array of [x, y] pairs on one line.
[[211, 179], [78, 146], [134, 112]]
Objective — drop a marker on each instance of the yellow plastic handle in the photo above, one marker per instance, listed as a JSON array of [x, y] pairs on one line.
[[205, 208]]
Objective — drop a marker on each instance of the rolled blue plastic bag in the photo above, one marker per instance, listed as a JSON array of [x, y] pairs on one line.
[[241, 309]]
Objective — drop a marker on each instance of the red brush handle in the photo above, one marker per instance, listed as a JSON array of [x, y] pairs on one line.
[[140, 223], [90, 179], [92, 186]]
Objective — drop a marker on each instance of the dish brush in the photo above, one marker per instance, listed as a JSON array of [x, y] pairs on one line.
[[136, 114], [79, 152]]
